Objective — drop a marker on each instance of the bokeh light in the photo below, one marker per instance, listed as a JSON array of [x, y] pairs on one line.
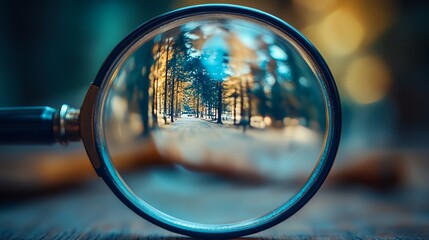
[[341, 33], [315, 6], [367, 79]]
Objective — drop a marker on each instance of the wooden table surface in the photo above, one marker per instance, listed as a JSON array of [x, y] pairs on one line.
[[91, 211]]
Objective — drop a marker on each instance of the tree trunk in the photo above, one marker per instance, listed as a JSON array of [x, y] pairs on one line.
[[165, 84], [241, 102], [249, 100], [219, 103], [198, 100], [235, 106], [177, 99], [172, 100], [157, 97], [155, 91]]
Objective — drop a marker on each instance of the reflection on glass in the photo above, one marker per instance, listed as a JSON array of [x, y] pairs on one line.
[[224, 116]]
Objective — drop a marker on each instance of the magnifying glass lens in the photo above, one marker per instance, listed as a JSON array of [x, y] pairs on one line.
[[213, 119]]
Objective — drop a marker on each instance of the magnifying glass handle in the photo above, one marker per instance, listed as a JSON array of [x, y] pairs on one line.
[[39, 125]]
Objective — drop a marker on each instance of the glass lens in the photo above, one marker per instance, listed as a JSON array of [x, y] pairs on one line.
[[214, 119]]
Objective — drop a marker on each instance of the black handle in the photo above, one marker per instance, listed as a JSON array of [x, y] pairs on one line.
[[27, 125]]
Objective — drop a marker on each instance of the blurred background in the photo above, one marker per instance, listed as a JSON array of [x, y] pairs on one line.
[[378, 52]]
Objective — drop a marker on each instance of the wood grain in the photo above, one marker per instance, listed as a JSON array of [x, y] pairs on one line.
[[91, 211]]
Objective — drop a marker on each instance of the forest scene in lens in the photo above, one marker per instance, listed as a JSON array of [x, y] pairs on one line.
[[233, 92], [227, 96]]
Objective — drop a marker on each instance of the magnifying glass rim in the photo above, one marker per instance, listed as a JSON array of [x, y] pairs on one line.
[[106, 170]]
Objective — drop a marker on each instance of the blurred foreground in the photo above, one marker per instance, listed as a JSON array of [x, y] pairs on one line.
[[92, 211]]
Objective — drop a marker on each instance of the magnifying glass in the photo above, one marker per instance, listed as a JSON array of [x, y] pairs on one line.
[[229, 116]]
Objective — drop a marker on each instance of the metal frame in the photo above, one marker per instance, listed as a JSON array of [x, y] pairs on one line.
[[90, 115]]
